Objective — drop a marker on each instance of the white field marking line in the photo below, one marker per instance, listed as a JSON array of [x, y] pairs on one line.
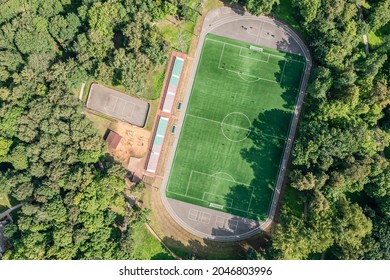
[[246, 80], [243, 138], [193, 215], [183, 123], [194, 198], [224, 197], [268, 36], [220, 172], [233, 224], [249, 75], [281, 76], [205, 215], [261, 60], [265, 134], [246, 74], [220, 58], [260, 31], [288, 142], [234, 181], [106, 104], [189, 181], [274, 55], [132, 110], [213, 175], [238, 72], [220, 221], [215, 205], [250, 201], [221, 123]]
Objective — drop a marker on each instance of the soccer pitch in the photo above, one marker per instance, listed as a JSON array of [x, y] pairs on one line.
[[235, 127]]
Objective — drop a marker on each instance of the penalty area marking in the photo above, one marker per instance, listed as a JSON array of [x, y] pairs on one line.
[[274, 55], [231, 177], [214, 205], [217, 195], [256, 59], [241, 74], [220, 178]]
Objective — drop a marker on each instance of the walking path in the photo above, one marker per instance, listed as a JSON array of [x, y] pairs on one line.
[[7, 213], [365, 39], [81, 91]]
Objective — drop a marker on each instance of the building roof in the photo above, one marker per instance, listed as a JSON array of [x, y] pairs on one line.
[[113, 139]]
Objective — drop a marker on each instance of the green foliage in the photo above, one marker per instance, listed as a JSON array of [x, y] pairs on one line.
[[63, 29], [29, 42], [379, 15], [72, 209], [5, 145], [341, 137], [257, 7], [9, 230], [308, 9]]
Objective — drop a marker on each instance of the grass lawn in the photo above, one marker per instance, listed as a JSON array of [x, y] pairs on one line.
[[147, 247], [235, 127], [377, 38], [101, 123]]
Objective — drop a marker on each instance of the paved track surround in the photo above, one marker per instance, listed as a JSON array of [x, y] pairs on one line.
[[238, 228]]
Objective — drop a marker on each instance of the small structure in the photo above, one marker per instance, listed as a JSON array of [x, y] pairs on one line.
[[173, 84], [112, 138], [136, 165], [157, 145]]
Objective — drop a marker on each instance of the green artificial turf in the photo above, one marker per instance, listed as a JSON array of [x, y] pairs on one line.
[[235, 127]]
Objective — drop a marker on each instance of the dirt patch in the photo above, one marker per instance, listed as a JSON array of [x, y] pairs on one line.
[[134, 142]]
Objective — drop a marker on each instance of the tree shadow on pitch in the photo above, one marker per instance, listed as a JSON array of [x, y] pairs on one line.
[[264, 157]]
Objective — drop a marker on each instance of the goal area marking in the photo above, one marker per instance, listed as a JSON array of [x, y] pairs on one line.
[[214, 205], [207, 196], [254, 48]]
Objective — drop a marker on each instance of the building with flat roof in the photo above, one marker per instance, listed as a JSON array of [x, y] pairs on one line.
[[112, 138]]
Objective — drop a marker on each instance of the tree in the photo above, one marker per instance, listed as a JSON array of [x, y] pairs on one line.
[[351, 227], [34, 42], [5, 145], [380, 15], [308, 9], [257, 7], [64, 29], [290, 240]]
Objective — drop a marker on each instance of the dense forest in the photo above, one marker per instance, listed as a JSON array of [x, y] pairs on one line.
[[52, 160], [337, 202], [51, 157]]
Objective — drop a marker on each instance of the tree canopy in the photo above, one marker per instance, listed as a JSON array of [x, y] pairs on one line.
[[338, 165], [50, 154]]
